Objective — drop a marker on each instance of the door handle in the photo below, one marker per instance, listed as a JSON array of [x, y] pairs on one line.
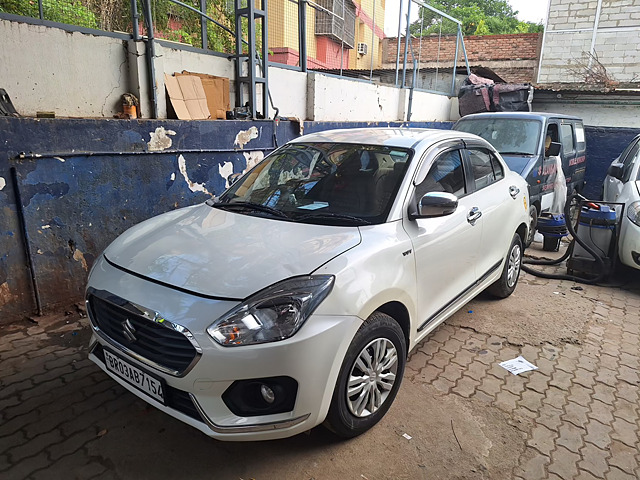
[[514, 191], [473, 215]]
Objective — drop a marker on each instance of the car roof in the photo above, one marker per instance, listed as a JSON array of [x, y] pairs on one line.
[[388, 137], [526, 115]]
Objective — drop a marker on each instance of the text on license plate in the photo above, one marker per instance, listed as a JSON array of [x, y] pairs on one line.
[[136, 377]]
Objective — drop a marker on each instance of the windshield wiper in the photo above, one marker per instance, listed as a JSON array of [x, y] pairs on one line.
[[251, 206], [332, 216], [524, 154]]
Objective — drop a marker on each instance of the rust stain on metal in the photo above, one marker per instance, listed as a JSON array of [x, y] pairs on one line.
[[78, 256], [5, 294]]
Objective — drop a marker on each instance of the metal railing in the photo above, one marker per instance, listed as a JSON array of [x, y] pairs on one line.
[[335, 37]]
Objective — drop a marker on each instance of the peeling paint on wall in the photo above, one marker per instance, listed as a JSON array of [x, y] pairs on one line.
[[225, 169], [252, 158], [78, 256], [60, 159], [194, 187], [160, 139], [245, 136], [5, 294], [3, 183]]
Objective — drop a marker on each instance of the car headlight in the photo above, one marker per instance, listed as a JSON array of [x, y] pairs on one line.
[[633, 213], [272, 314]]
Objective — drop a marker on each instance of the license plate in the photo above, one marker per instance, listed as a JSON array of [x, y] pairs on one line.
[[150, 385]]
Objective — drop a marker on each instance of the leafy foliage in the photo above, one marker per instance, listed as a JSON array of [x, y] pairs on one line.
[[63, 11], [478, 17]]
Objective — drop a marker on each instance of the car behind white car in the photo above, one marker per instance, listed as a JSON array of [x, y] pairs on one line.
[[622, 185], [295, 297]]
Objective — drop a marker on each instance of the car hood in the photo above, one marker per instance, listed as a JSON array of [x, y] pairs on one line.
[[227, 255], [517, 163]]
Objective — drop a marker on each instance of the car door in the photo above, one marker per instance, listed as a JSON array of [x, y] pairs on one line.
[[493, 195], [445, 248]]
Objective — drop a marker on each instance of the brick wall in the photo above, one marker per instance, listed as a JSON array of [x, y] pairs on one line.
[[521, 46]]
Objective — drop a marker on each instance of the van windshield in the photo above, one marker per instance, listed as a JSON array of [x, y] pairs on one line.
[[510, 136], [328, 183]]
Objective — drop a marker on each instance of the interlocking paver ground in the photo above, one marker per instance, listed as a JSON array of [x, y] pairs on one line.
[[576, 417]]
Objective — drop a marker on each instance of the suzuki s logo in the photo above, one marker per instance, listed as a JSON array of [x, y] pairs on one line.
[[129, 330]]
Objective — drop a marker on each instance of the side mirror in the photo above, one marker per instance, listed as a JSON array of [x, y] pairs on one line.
[[233, 178], [554, 149], [615, 170], [435, 204]]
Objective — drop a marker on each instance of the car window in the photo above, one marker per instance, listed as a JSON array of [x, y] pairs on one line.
[[509, 136], [580, 140], [629, 161], [314, 182], [486, 169], [566, 137], [445, 175]]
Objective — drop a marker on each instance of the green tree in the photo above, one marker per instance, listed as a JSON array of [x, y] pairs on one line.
[[64, 11], [478, 17]]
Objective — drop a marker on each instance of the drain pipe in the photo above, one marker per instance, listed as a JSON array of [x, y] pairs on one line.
[[151, 55], [413, 86], [25, 238]]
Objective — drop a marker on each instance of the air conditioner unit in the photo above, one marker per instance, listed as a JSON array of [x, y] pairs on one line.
[[362, 48]]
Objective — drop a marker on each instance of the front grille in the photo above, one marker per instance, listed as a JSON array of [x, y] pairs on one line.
[[153, 341]]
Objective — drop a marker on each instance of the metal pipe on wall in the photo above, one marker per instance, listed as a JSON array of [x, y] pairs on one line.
[[407, 39], [398, 40], [25, 237], [373, 38], [135, 24], [151, 54]]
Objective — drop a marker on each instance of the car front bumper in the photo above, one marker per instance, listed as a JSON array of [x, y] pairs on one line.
[[629, 244], [312, 357]]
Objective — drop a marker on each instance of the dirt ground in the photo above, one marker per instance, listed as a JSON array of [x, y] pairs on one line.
[[458, 414]]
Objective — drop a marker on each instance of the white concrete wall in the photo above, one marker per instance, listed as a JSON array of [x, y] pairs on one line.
[[595, 115], [71, 74], [339, 99], [81, 75], [572, 27], [289, 92]]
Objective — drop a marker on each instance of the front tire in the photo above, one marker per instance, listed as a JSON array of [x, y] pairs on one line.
[[369, 378], [506, 284]]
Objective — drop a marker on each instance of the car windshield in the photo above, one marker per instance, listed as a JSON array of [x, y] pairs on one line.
[[328, 183], [510, 136]]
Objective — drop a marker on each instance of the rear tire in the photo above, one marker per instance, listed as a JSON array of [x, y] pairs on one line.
[[369, 378], [533, 223], [506, 284]]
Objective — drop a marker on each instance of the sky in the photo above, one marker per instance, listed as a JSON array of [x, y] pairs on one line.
[[528, 11]]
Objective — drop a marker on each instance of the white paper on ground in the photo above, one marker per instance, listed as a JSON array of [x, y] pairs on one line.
[[518, 365]]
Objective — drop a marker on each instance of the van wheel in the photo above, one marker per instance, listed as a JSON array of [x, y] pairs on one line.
[[533, 223], [369, 378], [506, 284]]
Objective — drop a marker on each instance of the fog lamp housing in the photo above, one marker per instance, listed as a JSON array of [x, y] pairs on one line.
[[261, 396]]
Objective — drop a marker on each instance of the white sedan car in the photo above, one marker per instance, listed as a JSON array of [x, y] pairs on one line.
[[622, 185], [294, 298]]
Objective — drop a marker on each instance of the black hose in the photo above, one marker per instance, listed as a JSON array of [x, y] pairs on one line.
[[576, 238]]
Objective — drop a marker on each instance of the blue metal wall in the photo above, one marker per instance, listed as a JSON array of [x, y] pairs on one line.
[[83, 182]]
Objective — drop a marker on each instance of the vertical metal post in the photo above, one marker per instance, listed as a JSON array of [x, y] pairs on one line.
[[464, 50], [151, 54], [203, 25], [344, 20], [135, 20], [302, 33], [398, 39], [251, 36], [455, 66], [240, 57], [40, 10], [413, 85], [407, 39], [373, 38], [265, 60]]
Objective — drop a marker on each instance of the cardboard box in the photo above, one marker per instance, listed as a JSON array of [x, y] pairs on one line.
[[187, 97], [216, 90]]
